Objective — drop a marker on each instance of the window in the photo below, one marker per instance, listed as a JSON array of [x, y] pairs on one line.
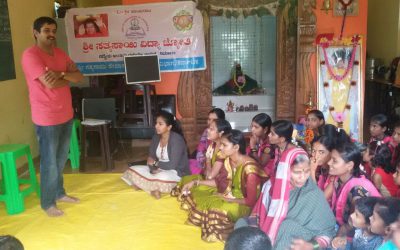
[[249, 41]]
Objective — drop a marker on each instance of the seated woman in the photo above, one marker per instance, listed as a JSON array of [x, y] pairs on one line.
[[348, 185], [259, 147], [280, 136], [290, 211], [314, 121], [199, 163], [230, 195], [214, 158], [167, 161], [322, 147], [239, 84]]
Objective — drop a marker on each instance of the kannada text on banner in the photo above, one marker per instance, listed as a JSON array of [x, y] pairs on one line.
[[99, 38]]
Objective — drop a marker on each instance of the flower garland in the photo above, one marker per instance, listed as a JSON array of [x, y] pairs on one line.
[[340, 117], [241, 79], [309, 136], [349, 65]]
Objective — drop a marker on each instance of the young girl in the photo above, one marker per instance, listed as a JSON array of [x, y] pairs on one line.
[[315, 119], [378, 127], [230, 195], [396, 143], [322, 147], [363, 237], [349, 184], [167, 161], [214, 159], [281, 137], [199, 163], [382, 175], [394, 242], [259, 147], [386, 212]]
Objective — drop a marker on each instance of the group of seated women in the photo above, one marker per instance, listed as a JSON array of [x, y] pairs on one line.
[[300, 196]]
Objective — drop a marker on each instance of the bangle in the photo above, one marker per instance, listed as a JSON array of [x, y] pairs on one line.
[[253, 150], [315, 244], [155, 163]]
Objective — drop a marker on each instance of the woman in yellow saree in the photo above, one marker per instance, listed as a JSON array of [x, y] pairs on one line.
[[214, 159], [216, 204]]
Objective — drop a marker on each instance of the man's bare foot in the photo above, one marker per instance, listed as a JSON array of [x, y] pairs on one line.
[[156, 194], [69, 199], [53, 211], [135, 187]]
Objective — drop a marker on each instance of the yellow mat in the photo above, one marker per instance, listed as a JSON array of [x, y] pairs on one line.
[[110, 216]]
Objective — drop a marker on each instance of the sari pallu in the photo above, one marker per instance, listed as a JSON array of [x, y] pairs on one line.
[[340, 197], [207, 208], [272, 206], [309, 217], [216, 158]]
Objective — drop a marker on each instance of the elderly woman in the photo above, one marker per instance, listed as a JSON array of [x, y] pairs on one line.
[[293, 212]]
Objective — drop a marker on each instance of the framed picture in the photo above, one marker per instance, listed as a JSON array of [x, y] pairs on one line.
[[339, 86], [352, 9]]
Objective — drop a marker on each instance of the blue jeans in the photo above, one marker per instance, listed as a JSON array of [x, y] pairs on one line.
[[54, 147]]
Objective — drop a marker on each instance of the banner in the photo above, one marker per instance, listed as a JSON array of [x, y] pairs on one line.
[[99, 38]]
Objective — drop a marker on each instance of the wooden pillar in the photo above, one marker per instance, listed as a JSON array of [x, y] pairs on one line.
[[306, 32]]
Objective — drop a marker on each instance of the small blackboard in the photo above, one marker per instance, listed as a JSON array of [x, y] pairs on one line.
[[7, 68], [142, 69]]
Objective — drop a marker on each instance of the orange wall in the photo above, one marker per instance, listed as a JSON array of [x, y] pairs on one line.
[[327, 23], [169, 81]]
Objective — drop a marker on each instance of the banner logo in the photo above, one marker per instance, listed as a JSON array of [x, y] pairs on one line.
[[135, 27], [183, 20]]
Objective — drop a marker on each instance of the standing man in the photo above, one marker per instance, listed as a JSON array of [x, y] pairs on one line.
[[48, 71]]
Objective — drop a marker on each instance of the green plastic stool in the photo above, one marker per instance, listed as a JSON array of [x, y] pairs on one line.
[[12, 194], [74, 147]]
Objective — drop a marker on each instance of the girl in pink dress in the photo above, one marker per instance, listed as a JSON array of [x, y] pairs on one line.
[[348, 185], [259, 147]]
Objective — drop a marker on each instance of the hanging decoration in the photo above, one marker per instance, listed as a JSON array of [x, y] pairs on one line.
[[339, 77], [344, 6], [228, 12]]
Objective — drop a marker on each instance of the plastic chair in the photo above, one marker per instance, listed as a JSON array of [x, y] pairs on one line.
[[74, 145], [12, 194]]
